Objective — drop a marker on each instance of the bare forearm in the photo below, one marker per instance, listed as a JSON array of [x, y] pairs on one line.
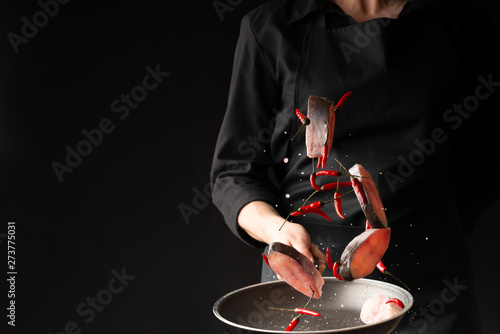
[[261, 221]]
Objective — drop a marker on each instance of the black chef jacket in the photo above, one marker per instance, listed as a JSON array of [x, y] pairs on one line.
[[422, 120]]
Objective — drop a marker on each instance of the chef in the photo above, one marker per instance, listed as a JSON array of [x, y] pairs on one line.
[[425, 80]]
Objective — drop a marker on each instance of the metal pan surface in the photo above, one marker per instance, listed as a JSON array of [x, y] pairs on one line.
[[246, 310]]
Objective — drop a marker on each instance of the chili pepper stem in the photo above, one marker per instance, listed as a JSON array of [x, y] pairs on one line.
[[341, 165], [283, 223], [386, 272], [307, 199], [296, 319], [310, 298], [286, 219], [300, 129], [347, 171]]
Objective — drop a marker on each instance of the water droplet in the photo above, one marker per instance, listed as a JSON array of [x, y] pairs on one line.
[[285, 132], [300, 154], [285, 160], [287, 195], [426, 238], [347, 155]]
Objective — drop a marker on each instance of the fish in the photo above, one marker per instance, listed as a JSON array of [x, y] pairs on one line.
[[295, 268], [379, 308], [319, 133], [363, 253], [368, 196]]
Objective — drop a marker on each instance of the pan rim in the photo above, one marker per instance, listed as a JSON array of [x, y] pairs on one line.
[[408, 305]]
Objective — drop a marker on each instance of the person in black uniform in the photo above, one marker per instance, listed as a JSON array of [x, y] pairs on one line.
[[422, 117]]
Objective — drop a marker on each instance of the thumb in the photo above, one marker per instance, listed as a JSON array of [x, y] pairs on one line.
[[304, 248]]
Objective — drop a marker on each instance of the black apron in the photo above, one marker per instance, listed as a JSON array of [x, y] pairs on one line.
[[405, 146]]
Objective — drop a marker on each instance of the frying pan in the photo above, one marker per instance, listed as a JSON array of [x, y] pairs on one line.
[[246, 311]]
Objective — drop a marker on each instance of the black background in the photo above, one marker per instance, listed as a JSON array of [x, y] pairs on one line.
[[119, 207]]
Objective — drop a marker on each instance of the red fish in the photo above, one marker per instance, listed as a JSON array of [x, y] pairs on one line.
[[363, 253], [319, 133], [379, 308], [295, 268], [368, 197]]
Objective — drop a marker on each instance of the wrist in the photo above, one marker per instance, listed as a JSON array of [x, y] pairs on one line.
[[260, 220]]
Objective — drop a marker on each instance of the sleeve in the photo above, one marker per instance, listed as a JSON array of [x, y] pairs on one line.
[[242, 156], [479, 152]]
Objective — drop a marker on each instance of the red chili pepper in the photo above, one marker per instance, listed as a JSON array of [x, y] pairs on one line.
[[298, 310], [307, 312], [381, 267], [324, 155], [335, 185], [295, 321], [304, 119], [342, 100], [384, 270], [312, 208], [313, 182], [338, 204], [330, 185], [328, 173], [397, 301], [265, 259], [329, 261], [358, 189], [320, 162], [336, 266], [367, 225]]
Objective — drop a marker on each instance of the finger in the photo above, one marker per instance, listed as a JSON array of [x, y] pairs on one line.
[[320, 258]]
